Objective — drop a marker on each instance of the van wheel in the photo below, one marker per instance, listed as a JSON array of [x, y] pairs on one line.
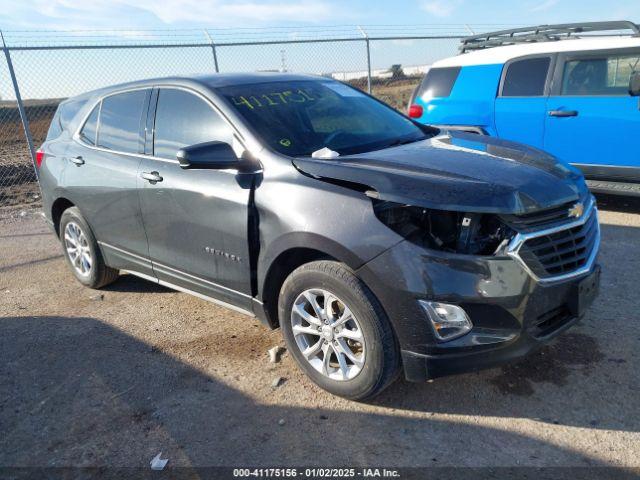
[[337, 331], [81, 251]]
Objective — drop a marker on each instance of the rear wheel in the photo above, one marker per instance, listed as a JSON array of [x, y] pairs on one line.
[[337, 331], [82, 252]]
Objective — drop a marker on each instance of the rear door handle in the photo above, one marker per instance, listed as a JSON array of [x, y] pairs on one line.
[[78, 160], [151, 177], [563, 113]]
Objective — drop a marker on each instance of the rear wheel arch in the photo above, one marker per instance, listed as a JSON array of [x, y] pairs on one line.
[[57, 209]]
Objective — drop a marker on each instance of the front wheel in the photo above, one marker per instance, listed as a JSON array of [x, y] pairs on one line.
[[337, 331]]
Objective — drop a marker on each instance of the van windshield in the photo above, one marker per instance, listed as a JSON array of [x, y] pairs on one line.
[[299, 117]]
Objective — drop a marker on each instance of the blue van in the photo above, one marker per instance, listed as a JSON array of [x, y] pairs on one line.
[[566, 89]]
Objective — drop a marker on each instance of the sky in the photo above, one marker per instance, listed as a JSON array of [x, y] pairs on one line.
[[154, 14], [34, 22]]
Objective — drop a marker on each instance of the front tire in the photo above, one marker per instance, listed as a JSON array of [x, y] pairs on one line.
[[81, 250], [337, 331]]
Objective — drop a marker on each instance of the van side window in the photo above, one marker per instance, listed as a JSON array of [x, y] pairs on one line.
[[184, 119], [608, 75], [90, 127], [526, 78], [120, 121], [438, 83]]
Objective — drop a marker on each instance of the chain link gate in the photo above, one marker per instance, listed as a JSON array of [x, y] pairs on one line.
[[37, 74]]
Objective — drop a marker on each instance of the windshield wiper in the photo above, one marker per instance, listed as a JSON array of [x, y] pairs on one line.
[[401, 141]]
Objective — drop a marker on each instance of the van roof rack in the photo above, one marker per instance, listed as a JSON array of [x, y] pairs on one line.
[[543, 33]]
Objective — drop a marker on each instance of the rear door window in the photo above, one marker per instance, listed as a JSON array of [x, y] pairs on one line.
[[90, 127], [184, 119], [526, 78], [438, 83], [120, 118], [606, 75]]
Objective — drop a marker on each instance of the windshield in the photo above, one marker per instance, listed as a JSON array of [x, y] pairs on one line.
[[297, 118]]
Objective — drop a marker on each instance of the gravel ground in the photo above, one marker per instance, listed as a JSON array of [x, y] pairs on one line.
[[111, 378]]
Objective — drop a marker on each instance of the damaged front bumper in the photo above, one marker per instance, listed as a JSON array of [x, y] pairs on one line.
[[512, 311]]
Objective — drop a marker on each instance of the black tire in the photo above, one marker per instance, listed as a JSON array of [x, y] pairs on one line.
[[382, 360], [99, 274]]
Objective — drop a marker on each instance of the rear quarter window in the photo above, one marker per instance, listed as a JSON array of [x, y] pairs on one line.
[[65, 113], [438, 83], [526, 78], [55, 129]]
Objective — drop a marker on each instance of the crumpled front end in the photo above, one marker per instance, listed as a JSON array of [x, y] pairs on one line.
[[532, 288]]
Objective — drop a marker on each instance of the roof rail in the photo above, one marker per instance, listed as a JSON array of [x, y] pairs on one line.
[[543, 33]]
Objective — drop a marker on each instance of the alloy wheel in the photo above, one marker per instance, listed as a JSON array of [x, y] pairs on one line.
[[328, 334], [77, 246]]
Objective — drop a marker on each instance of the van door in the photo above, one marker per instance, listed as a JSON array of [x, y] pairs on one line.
[[522, 99], [196, 220], [592, 121], [102, 177]]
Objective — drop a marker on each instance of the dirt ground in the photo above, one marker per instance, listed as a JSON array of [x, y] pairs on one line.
[[112, 378]]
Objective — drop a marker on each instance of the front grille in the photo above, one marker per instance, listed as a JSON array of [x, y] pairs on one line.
[[539, 219], [561, 252]]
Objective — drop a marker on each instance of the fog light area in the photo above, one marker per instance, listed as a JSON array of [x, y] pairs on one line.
[[448, 321]]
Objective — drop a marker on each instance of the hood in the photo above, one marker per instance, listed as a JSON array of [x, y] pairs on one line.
[[457, 171]]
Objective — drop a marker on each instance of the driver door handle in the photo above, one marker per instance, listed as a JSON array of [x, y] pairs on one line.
[[151, 177], [563, 113]]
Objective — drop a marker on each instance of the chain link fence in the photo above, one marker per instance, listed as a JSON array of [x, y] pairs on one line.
[[37, 72]]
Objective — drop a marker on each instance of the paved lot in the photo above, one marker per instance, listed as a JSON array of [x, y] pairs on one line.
[[86, 381]]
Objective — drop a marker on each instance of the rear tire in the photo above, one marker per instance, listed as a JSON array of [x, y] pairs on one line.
[[314, 300], [82, 252]]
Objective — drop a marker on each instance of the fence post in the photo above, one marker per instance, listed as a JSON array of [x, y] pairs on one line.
[[366, 39], [23, 114], [213, 50]]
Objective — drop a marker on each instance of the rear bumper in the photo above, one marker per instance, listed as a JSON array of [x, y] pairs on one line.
[[512, 313]]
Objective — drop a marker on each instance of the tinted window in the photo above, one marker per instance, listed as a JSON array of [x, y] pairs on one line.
[[526, 78], [68, 111], [184, 119], [120, 121], [599, 76], [90, 128], [300, 117], [55, 129], [438, 83]]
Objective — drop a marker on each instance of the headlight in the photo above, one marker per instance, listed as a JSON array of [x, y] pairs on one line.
[[449, 231]]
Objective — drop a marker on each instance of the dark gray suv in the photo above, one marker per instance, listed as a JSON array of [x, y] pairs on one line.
[[378, 245]]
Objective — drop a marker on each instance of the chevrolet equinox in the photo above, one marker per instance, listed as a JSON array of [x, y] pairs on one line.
[[378, 245]]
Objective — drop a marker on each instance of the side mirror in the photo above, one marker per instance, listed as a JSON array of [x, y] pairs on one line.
[[213, 155], [634, 84]]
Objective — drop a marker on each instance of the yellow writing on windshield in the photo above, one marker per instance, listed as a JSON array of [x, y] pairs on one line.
[[273, 99]]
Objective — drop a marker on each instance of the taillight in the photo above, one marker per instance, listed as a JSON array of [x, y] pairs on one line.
[[415, 111], [39, 157]]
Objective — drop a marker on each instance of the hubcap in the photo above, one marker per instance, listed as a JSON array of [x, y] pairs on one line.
[[328, 334], [77, 248]]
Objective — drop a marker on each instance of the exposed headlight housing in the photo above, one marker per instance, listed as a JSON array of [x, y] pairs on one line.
[[449, 231], [448, 321]]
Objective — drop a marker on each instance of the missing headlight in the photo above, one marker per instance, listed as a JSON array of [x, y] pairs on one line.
[[449, 231]]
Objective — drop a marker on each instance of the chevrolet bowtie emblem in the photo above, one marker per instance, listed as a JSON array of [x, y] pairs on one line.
[[577, 210]]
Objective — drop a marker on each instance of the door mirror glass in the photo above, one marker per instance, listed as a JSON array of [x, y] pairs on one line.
[[634, 84], [213, 155]]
